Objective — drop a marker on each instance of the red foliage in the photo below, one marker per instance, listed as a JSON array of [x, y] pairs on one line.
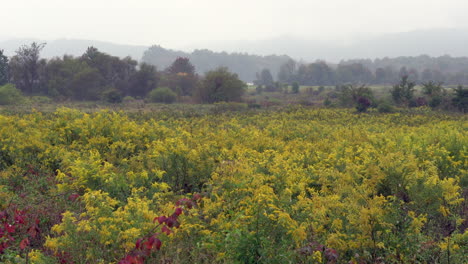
[[151, 243]]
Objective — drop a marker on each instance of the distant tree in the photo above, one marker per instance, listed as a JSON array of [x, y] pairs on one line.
[[25, 68], [318, 73], [181, 65], [162, 95], [413, 74], [295, 88], [143, 81], [353, 73], [59, 73], [403, 92], [181, 77], [426, 76], [287, 72], [460, 100], [380, 76], [435, 92], [116, 72], [265, 79], [221, 86], [432, 88], [353, 95], [87, 85], [403, 72], [3, 68]]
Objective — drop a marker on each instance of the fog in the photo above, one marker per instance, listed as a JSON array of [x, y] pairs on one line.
[[185, 24]]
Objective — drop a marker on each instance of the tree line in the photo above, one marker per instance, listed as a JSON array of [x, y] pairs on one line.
[[96, 75], [321, 73], [243, 64]]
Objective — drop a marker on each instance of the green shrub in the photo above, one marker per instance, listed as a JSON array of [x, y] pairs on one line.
[[162, 95], [295, 87], [128, 99], [112, 96], [9, 94], [385, 107]]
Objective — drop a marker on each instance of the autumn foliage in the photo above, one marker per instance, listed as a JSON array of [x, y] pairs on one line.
[[294, 185]]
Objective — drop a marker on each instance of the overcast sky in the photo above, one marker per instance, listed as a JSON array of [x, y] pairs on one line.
[[182, 23]]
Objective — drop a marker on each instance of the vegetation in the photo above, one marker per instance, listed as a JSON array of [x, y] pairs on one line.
[[9, 94], [3, 68], [162, 95], [294, 185], [221, 86]]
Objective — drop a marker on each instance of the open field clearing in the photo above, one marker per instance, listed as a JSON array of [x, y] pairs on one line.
[[290, 186]]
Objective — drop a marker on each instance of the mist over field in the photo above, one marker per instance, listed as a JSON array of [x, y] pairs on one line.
[[432, 42]]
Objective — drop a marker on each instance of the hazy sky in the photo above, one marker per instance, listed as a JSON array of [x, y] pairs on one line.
[[182, 23]]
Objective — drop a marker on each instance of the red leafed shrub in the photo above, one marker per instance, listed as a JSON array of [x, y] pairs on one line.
[[151, 243]]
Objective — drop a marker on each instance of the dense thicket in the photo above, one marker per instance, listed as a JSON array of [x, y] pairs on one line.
[[98, 76]]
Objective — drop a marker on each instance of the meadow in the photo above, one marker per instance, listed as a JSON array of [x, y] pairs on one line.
[[173, 184]]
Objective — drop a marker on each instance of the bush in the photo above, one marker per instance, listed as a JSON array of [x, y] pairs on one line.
[[128, 99], [9, 94], [162, 95], [112, 96], [460, 100], [295, 87], [220, 85], [362, 104], [435, 101], [385, 107]]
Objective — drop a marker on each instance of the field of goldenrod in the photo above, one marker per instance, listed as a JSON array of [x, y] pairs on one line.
[[291, 186]]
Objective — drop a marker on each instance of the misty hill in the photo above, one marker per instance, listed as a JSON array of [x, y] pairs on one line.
[[245, 65], [405, 49], [434, 42], [75, 47]]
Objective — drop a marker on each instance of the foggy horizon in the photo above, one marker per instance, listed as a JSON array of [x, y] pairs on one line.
[[188, 25]]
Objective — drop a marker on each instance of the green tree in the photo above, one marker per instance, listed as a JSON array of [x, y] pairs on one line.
[[353, 73], [435, 92], [221, 85], [116, 72], [359, 96], [59, 74], [461, 99], [87, 85], [266, 79], [3, 68], [25, 68], [287, 72], [112, 95], [143, 81], [295, 87], [162, 95], [181, 65], [432, 88], [403, 92], [181, 77]]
